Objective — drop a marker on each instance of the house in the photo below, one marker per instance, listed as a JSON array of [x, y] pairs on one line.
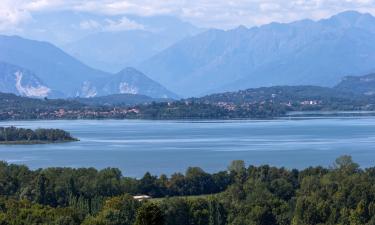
[[142, 197]]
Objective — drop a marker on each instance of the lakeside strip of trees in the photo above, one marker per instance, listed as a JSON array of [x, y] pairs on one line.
[[341, 194], [13, 135]]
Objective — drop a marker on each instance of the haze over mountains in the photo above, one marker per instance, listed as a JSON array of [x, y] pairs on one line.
[[53, 69], [109, 43], [300, 53], [303, 52], [116, 49]]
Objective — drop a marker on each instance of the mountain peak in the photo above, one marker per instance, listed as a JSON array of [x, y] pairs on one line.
[[349, 14], [128, 70], [241, 27], [351, 18]]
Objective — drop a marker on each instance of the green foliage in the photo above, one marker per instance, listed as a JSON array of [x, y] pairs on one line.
[[149, 214], [25, 213], [15, 135], [119, 210], [341, 195]]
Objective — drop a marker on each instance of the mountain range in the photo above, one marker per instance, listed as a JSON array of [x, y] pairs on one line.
[[45, 69], [303, 52]]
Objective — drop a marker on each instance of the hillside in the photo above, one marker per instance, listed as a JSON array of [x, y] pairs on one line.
[[20, 81], [300, 53], [294, 98], [363, 85], [119, 100], [280, 94], [127, 81], [258, 103], [10, 102]]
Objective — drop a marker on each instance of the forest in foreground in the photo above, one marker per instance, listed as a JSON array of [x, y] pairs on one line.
[[342, 194]]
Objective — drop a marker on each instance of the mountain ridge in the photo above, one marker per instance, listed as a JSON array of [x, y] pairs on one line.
[[302, 52]]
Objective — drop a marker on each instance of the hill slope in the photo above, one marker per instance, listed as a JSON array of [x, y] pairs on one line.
[[20, 81], [363, 85], [127, 81], [119, 100]]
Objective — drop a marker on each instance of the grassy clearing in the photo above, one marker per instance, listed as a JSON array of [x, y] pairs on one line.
[[191, 197]]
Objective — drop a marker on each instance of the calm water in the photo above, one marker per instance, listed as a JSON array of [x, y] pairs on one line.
[[166, 146]]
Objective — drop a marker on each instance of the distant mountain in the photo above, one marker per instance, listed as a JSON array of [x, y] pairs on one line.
[[54, 67], [363, 85], [302, 52], [116, 49], [119, 100], [62, 73], [14, 79], [20, 81], [128, 81], [107, 42]]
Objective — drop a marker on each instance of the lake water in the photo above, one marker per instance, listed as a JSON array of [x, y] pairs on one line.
[[169, 146]]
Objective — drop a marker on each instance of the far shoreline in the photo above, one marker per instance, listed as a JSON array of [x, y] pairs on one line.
[[288, 115], [35, 142]]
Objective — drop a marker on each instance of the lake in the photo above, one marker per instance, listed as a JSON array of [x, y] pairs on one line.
[[166, 147]]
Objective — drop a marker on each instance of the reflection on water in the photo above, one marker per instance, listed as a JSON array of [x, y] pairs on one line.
[[170, 146]]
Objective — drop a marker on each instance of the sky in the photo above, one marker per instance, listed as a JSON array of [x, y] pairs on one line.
[[224, 14]]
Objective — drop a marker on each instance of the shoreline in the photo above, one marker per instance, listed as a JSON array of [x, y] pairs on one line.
[[35, 142], [288, 115]]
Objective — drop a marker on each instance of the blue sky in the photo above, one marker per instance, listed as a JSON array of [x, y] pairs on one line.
[[203, 13]]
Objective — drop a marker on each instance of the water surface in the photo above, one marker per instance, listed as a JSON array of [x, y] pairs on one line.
[[170, 146]]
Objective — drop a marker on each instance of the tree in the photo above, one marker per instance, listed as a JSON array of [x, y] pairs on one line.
[[237, 166], [149, 214], [345, 163], [119, 210], [176, 211]]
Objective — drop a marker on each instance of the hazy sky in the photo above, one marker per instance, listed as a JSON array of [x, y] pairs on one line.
[[204, 13]]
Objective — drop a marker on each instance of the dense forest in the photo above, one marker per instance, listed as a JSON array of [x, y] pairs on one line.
[[341, 194], [13, 135]]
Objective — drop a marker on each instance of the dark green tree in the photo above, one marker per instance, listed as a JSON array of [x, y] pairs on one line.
[[149, 214]]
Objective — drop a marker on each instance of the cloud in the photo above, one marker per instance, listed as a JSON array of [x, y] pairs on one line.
[[90, 25], [111, 25], [11, 16], [123, 24], [37, 5], [204, 13]]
